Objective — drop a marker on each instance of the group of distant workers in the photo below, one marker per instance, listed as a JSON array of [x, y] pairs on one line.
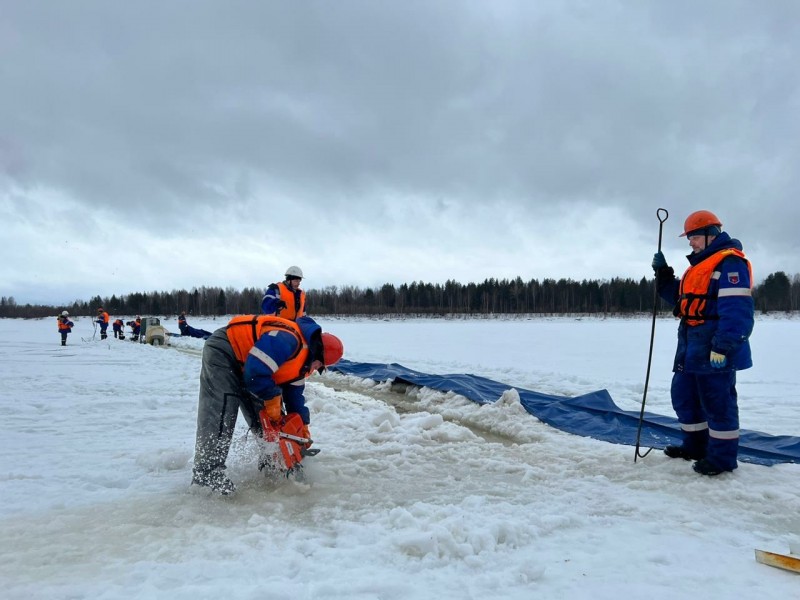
[[102, 319]]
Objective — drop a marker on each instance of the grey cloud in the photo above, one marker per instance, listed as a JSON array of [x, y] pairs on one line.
[[338, 107]]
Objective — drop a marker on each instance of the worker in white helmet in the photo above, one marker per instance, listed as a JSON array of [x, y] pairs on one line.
[[286, 299], [64, 326]]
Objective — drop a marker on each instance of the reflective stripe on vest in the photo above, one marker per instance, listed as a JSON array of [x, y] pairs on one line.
[[244, 331], [696, 282]]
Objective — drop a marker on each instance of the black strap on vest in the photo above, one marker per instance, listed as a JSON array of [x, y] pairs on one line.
[[690, 298], [253, 324]]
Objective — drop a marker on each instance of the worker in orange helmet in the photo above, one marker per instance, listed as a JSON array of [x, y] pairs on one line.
[[254, 363], [715, 304]]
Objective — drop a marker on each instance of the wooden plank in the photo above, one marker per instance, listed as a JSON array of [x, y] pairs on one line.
[[782, 561]]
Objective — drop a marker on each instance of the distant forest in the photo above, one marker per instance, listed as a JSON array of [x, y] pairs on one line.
[[494, 296]]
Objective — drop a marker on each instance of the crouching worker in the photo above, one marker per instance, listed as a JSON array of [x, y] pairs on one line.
[[253, 363], [136, 327], [64, 326]]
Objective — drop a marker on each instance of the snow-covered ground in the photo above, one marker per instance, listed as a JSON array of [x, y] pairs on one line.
[[422, 495]]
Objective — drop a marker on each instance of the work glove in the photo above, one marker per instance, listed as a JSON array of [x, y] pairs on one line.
[[659, 262], [718, 361], [307, 434], [281, 304], [273, 408]]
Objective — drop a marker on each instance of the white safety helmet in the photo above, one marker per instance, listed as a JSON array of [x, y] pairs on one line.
[[293, 272], [64, 314]]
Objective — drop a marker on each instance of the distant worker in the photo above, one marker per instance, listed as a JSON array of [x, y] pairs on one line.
[[102, 320], [254, 363], [64, 326], [136, 327], [117, 325], [190, 331], [714, 302], [286, 299]]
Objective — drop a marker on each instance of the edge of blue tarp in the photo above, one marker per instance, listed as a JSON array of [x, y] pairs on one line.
[[591, 415]]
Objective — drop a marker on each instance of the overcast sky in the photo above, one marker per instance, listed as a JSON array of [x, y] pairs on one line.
[[166, 145]]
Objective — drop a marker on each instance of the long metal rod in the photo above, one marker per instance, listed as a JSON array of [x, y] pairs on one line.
[[659, 213]]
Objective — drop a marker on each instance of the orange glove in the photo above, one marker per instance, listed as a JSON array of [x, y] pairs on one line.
[[273, 408], [307, 434]]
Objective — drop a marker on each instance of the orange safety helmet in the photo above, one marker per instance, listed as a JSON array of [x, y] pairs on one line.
[[332, 349], [700, 219]]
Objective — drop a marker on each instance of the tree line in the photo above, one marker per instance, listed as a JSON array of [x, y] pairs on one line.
[[493, 296]]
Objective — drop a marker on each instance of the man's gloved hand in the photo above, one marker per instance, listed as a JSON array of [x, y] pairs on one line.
[[307, 434], [659, 262], [718, 360], [281, 304], [273, 408]]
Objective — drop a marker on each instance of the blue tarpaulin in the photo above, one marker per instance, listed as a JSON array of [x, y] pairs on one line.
[[591, 415]]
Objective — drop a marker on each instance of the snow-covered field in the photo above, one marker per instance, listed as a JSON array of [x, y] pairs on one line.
[[423, 495]]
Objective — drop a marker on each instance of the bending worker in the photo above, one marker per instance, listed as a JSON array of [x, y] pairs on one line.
[[254, 363]]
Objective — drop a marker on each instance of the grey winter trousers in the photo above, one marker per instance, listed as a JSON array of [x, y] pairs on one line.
[[222, 394]]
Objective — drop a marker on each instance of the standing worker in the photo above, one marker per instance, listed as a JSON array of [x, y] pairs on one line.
[[255, 362], [102, 320], [64, 326], [715, 304], [286, 299]]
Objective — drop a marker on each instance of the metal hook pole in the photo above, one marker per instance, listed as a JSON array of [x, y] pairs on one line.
[[661, 212]]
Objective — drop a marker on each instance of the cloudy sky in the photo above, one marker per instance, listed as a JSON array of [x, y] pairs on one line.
[[165, 145]]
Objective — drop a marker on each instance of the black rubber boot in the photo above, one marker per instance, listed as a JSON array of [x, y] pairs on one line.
[[216, 480], [706, 467], [681, 452]]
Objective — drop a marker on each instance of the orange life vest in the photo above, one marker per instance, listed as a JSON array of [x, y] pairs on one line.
[[695, 283], [63, 325], [291, 311], [245, 330]]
